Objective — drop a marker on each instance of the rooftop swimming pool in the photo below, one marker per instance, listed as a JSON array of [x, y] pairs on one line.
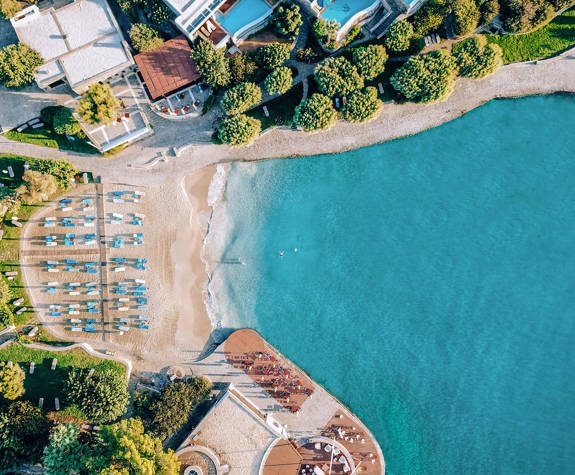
[[242, 14], [343, 10]]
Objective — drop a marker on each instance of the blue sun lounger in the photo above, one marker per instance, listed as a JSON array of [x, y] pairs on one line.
[[91, 303], [92, 310], [120, 291], [142, 300], [52, 290], [119, 259], [55, 314], [142, 307], [90, 329], [136, 294], [119, 193], [52, 263], [71, 261], [141, 266], [66, 200], [142, 260], [91, 320], [144, 326], [141, 288]]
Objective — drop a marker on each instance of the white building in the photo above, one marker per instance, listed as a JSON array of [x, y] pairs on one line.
[[81, 43]]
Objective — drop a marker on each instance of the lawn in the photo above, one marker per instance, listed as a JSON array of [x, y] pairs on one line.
[[547, 41], [46, 138], [281, 109], [45, 382]]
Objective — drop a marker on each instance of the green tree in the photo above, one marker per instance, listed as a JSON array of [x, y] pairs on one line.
[[362, 105], [307, 55], [175, 404], [315, 113], [489, 9], [242, 97], [9, 8], [37, 187], [239, 129], [273, 55], [64, 122], [23, 433], [103, 397], [124, 448], [326, 32], [521, 16], [429, 17], [11, 380], [337, 77], [64, 454], [287, 20], [61, 169], [398, 37], [158, 12], [5, 292], [475, 58], [237, 68], [279, 81], [6, 315], [370, 60], [98, 105], [212, 64], [17, 65], [466, 17], [426, 78], [145, 38]]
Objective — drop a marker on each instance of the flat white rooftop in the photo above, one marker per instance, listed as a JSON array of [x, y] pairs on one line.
[[82, 39]]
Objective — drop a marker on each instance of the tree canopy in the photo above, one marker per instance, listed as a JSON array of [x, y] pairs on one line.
[[11, 380], [315, 113], [273, 55], [466, 17], [23, 433], [429, 17], [9, 8], [103, 397], [124, 448], [145, 38], [212, 63], [64, 122], [17, 65], [98, 105], [475, 58], [64, 453], [362, 105], [521, 16], [337, 77], [37, 187], [173, 408], [426, 78], [279, 81], [287, 20], [370, 60], [239, 129], [240, 98], [398, 37]]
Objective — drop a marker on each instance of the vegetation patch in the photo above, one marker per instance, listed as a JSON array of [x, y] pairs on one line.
[[48, 383], [547, 41], [281, 109], [46, 137]]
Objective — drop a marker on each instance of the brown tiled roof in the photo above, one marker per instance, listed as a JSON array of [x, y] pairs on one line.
[[168, 68], [283, 459]]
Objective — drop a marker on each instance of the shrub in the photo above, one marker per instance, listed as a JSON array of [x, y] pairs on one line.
[[489, 9], [370, 60], [175, 404], [239, 130], [11, 380], [521, 16], [287, 20], [98, 105], [5, 292], [6, 315], [240, 98], [64, 122], [212, 63], [337, 77], [158, 12], [315, 113], [352, 35], [145, 38], [466, 17], [61, 169], [429, 18], [103, 397], [279, 81], [326, 32], [362, 106], [17, 65], [47, 114], [398, 37], [426, 78], [475, 59], [9, 8], [23, 434], [37, 187], [273, 55], [307, 55], [64, 454]]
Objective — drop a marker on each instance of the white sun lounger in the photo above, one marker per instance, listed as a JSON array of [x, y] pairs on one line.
[[123, 300], [119, 269], [74, 293], [52, 284], [32, 365], [140, 281], [93, 292], [76, 329], [54, 363], [53, 270], [123, 309], [73, 312]]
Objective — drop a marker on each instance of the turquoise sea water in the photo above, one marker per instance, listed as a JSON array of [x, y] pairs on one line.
[[433, 290]]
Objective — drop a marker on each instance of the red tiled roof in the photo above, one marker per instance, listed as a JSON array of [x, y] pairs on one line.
[[168, 68]]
